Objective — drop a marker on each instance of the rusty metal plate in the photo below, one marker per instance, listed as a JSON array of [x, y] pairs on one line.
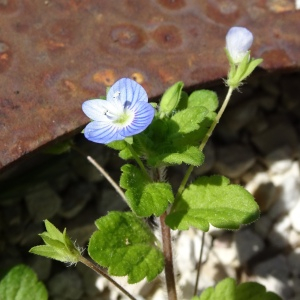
[[55, 54]]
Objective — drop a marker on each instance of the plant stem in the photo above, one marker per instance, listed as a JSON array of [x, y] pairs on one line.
[[203, 143], [138, 160], [167, 249], [103, 172], [199, 264], [99, 271]]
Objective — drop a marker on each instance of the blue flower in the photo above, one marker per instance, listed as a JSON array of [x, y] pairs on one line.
[[124, 113], [238, 42]]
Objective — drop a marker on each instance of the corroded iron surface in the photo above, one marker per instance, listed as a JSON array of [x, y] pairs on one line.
[[55, 54]]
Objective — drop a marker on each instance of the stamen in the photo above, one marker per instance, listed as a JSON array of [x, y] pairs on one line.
[[116, 94]]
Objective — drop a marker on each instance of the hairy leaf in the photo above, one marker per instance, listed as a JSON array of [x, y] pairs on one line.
[[144, 197], [126, 246], [57, 246], [189, 155], [227, 289], [21, 283], [188, 120], [212, 200], [205, 98]]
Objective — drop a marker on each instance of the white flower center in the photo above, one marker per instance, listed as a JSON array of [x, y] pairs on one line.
[[118, 113]]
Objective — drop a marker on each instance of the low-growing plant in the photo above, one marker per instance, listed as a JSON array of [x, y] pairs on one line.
[[150, 138]]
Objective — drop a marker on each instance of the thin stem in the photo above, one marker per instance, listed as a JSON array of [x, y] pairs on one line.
[[99, 271], [199, 264], [204, 141], [107, 176], [138, 160], [103, 172], [167, 249]]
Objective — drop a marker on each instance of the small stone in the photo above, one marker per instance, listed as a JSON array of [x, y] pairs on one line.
[[11, 215], [42, 202], [248, 244], [227, 254], [115, 294], [61, 182], [66, 285], [278, 286], [277, 267], [82, 227], [41, 265], [234, 160], [294, 238], [279, 234], [31, 235], [288, 194], [14, 234], [263, 226], [209, 153], [252, 173], [295, 217], [263, 190], [75, 199], [266, 102], [271, 84], [89, 278], [187, 247], [236, 117], [279, 161], [258, 124], [294, 262], [109, 200], [276, 136], [83, 167]]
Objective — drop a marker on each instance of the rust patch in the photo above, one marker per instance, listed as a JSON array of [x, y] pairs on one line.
[[167, 36], [138, 77], [128, 36], [106, 77], [172, 4], [56, 54]]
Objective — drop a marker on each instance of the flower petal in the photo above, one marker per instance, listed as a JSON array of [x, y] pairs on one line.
[[143, 116], [238, 42], [95, 108], [130, 91], [102, 132]]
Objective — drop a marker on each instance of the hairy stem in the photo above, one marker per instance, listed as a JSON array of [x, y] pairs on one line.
[[103, 172], [139, 162], [204, 142], [99, 271], [199, 264], [167, 249]]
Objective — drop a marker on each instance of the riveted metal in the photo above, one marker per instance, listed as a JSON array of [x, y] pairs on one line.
[[55, 54]]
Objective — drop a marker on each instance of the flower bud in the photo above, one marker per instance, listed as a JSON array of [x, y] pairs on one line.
[[171, 98], [238, 42]]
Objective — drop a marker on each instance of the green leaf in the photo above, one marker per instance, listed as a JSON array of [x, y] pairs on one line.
[[124, 153], [213, 200], [206, 98], [251, 67], [228, 290], [57, 246], [191, 156], [183, 101], [144, 197], [126, 246], [21, 283], [170, 98], [188, 120], [49, 252], [53, 232]]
